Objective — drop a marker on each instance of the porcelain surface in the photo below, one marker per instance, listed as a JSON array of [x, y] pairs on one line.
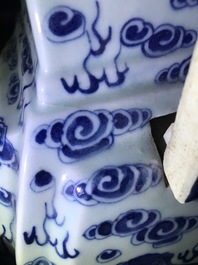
[[81, 180]]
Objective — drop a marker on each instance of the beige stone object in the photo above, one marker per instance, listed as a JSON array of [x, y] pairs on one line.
[[181, 155]]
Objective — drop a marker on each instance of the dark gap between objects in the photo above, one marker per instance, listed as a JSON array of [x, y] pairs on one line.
[[158, 128]]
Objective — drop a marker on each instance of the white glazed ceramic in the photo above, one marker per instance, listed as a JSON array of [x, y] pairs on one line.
[[81, 181]]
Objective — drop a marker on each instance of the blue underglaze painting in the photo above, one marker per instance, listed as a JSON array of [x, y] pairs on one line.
[[144, 226], [180, 4], [40, 261], [188, 255], [176, 72], [27, 62], [28, 71], [8, 204], [108, 255], [9, 55], [84, 133], [141, 225], [73, 28], [151, 259], [24, 75], [64, 24], [8, 155], [102, 41], [13, 89], [6, 197], [111, 184], [164, 258], [151, 39], [43, 185]]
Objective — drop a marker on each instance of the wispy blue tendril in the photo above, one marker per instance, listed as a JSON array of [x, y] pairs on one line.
[[188, 255], [33, 237]]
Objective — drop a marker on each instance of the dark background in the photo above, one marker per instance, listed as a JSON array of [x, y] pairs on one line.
[[8, 12]]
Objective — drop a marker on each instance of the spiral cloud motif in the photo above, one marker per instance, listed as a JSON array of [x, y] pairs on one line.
[[85, 132], [176, 72], [179, 4], [144, 227], [63, 24], [156, 42], [165, 232], [113, 183], [135, 32], [176, 37]]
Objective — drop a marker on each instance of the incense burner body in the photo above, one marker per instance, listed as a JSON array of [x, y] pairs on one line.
[[81, 180]]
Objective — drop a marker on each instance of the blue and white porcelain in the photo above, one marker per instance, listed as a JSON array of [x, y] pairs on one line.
[[81, 181]]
